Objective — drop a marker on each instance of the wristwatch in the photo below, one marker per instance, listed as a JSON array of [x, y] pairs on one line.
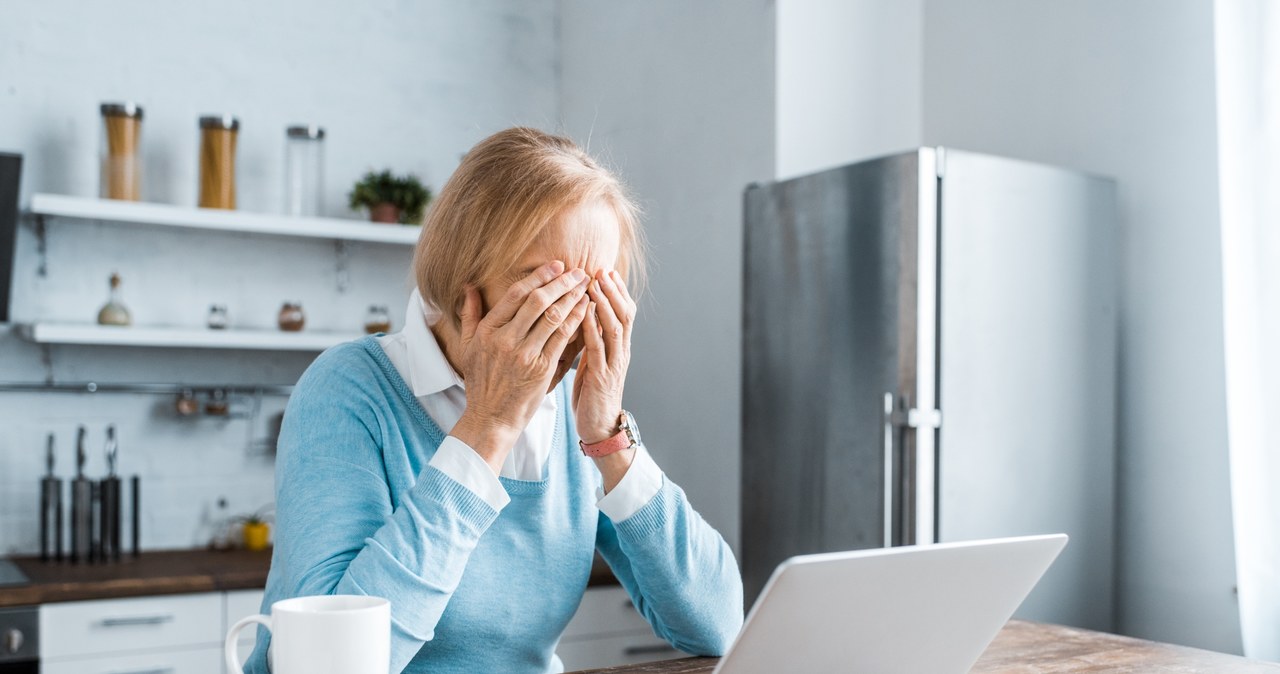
[[628, 436]]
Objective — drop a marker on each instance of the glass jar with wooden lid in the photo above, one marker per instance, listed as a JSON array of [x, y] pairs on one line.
[[121, 151], [218, 161]]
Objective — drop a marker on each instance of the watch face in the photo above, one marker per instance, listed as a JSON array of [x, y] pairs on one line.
[[629, 425]]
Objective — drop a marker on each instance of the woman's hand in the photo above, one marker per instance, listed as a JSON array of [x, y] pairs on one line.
[[508, 356], [602, 371]]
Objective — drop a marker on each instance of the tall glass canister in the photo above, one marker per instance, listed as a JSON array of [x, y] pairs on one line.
[[121, 151], [218, 161], [303, 170]]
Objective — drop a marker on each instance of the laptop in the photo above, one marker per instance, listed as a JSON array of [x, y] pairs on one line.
[[913, 609]]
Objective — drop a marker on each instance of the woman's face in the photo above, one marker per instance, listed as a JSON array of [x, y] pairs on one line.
[[585, 237]]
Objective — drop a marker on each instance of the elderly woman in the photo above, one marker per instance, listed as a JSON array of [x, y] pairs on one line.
[[463, 470]]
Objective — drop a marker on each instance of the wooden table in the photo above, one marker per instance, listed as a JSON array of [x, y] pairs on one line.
[[1034, 648]]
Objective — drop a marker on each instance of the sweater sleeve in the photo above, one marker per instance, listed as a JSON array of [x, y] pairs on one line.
[[678, 571], [338, 530]]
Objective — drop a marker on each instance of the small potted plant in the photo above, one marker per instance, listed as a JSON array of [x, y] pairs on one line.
[[255, 531], [390, 198]]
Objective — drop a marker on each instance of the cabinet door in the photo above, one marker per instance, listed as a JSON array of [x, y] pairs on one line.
[[241, 603], [626, 649], [206, 660], [605, 610], [608, 631], [75, 629]]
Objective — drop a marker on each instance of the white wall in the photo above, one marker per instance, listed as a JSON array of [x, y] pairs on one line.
[[849, 81], [404, 85], [1125, 89], [678, 97]]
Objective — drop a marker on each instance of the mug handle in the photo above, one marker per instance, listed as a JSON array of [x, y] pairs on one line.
[[230, 650]]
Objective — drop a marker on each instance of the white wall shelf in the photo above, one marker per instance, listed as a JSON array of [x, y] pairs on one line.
[[99, 335], [164, 215]]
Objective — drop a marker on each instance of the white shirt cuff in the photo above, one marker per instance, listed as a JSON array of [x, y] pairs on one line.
[[456, 459], [641, 483]]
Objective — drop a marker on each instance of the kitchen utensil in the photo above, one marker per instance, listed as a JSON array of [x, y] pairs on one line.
[[95, 521], [330, 633], [110, 507], [81, 506], [135, 483], [218, 405], [50, 509], [186, 405]]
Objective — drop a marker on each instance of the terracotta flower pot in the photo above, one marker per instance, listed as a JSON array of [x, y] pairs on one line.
[[385, 212], [256, 535]]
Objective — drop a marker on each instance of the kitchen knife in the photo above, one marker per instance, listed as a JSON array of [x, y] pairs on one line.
[[110, 508], [81, 506], [50, 509]]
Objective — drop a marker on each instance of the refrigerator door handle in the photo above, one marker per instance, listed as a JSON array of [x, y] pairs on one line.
[[889, 432]]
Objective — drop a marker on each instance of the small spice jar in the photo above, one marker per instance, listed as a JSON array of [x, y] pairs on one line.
[[217, 317], [303, 170], [121, 152], [218, 161], [291, 318], [377, 319]]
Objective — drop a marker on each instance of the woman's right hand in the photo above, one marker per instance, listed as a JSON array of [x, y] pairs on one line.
[[509, 355]]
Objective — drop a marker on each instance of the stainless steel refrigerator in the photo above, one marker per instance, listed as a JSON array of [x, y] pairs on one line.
[[930, 355]]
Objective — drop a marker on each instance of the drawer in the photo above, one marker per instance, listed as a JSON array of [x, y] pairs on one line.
[[606, 610], [193, 661], [80, 628], [624, 649]]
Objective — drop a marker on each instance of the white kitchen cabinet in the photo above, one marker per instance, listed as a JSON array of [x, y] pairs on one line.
[[607, 631], [119, 626], [241, 603], [206, 660]]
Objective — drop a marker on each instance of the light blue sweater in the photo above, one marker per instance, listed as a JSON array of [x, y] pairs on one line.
[[472, 589]]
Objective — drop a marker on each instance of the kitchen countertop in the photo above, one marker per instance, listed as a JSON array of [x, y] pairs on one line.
[[152, 573], [1035, 648], [160, 572]]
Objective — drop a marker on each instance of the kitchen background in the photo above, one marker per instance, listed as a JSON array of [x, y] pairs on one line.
[[690, 102]]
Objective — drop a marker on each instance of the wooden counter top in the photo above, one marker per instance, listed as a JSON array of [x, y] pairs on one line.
[[152, 573], [161, 572], [1034, 648]]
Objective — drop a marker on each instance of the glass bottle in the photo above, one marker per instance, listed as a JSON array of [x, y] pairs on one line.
[[114, 311], [218, 161], [291, 318], [218, 318], [303, 170], [120, 153], [377, 319]]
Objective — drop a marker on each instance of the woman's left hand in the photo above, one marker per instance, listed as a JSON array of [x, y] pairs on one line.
[[602, 370]]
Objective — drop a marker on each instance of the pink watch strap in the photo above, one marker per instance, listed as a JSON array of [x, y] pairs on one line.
[[618, 442]]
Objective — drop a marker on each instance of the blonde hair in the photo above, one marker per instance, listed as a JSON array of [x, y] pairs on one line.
[[508, 188]]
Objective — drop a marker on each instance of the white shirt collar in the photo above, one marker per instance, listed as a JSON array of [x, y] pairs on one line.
[[429, 370]]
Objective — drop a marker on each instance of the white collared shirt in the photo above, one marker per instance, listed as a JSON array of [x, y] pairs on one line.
[[418, 358]]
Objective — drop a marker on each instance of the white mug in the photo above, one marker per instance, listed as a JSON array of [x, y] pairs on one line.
[[329, 634]]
